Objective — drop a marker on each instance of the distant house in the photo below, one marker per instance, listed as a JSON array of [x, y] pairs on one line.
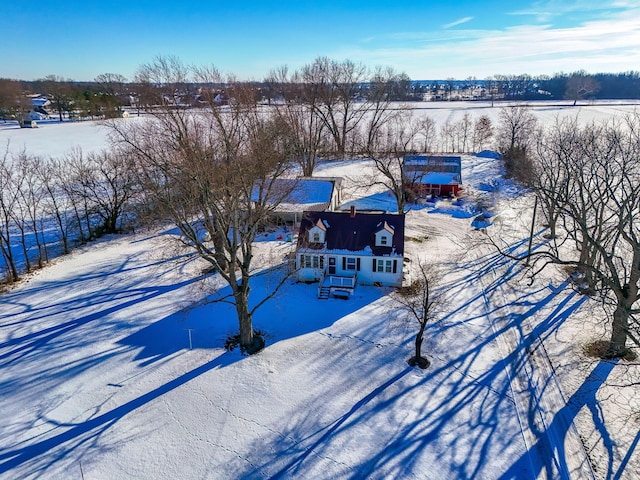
[[315, 194], [344, 249], [439, 175]]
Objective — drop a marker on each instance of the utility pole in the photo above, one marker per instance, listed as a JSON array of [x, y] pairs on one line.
[[533, 224]]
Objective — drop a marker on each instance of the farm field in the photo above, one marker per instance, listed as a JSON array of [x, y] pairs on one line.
[[112, 359]]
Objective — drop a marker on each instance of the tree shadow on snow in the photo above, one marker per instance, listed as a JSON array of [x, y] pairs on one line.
[[459, 419], [295, 310], [105, 323]]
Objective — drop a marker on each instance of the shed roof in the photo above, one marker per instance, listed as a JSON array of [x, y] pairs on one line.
[[302, 193]]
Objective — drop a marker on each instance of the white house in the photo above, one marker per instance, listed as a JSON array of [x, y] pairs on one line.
[[343, 249]]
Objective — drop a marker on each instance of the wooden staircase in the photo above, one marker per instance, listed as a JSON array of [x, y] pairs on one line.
[[323, 293]]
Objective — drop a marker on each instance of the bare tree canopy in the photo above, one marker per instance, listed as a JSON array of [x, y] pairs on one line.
[[421, 302], [213, 172], [588, 180], [514, 137]]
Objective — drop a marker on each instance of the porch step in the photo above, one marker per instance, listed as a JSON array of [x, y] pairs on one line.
[[323, 293]]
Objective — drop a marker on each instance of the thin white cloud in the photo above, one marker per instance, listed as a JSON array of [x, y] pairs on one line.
[[611, 44], [546, 9], [457, 22]]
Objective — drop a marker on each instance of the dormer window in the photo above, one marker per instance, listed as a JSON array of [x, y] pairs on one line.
[[318, 232], [384, 235]]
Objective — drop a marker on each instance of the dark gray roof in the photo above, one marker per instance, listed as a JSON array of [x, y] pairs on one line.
[[344, 232]]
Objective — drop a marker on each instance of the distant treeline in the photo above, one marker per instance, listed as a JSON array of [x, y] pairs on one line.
[[109, 93], [561, 86]]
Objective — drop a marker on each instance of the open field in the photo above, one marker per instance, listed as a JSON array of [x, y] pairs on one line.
[[98, 380]]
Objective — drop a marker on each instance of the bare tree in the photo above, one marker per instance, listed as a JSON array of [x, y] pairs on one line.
[[59, 92], [214, 173], [341, 109], [27, 211], [482, 132], [514, 138], [493, 89], [113, 87], [298, 112], [448, 136], [8, 200], [463, 130], [52, 177], [387, 150], [428, 131], [600, 211], [581, 85], [105, 182], [14, 102], [553, 161], [420, 301], [382, 88]]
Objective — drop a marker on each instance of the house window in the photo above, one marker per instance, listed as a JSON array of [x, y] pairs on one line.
[[384, 240], [316, 237], [351, 263], [312, 261], [384, 266]]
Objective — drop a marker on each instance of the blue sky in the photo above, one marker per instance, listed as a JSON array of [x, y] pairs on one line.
[[427, 40]]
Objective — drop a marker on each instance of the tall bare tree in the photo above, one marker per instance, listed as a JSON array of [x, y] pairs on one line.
[[14, 103], [387, 149], [421, 302], [27, 212], [105, 183], [581, 85], [514, 137], [482, 132], [600, 213], [341, 108], [214, 172], [553, 161], [428, 131], [382, 89], [114, 88], [298, 112], [463, 131], [8, 201], [59, 92]]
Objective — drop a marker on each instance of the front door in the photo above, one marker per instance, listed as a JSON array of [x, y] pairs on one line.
[[332, 265]]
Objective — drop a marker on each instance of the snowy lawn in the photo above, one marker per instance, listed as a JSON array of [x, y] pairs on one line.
[[97, 378], [97, 375]]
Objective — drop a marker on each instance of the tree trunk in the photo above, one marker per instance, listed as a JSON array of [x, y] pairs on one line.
[[25, 249], [10, 263], [418, 359], [418, 342], [244, 318], [619, 328], [218, 244], [401, 201]]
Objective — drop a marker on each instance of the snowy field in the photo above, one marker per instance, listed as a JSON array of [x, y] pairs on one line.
[[112, 363]]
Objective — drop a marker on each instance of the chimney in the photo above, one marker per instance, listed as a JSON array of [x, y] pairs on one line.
[[352, 212]]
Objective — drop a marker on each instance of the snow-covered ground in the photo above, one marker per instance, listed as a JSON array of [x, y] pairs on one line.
[[54, 139], [98, 380]]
